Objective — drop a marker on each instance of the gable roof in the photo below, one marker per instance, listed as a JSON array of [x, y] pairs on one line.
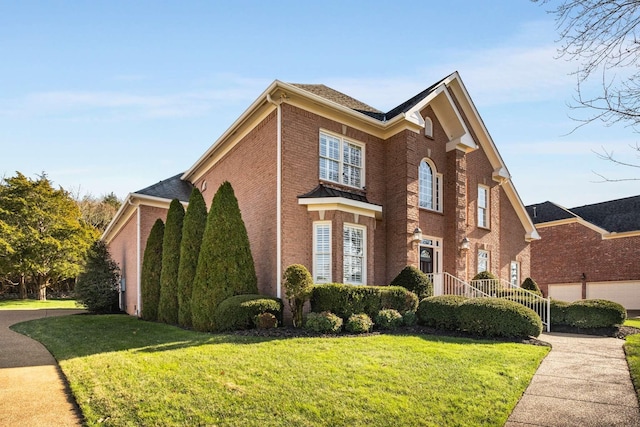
[[170, 188], [609, 218], [340, 98]]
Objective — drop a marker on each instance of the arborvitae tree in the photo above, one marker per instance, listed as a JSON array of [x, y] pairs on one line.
[[151, 269], [531, 285], [97, 285], [225, 265], [195, 221], [168, 306]]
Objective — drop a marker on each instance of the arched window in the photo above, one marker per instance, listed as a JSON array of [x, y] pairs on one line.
[[428, 127], [430, 184]]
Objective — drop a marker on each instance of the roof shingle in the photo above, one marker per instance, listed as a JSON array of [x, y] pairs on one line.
[[170, 188]]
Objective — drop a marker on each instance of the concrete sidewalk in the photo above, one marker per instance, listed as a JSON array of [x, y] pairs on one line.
[[583, 381], [32, 390]]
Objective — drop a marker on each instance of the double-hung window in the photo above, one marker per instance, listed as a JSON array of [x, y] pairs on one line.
[[341, 160], [483, 206], [483, 261], [354, 256], [514, 276], [430, 187], [322, 252]]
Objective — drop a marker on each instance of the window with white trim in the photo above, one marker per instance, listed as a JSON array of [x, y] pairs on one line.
[[322, 252], [341, 160], [514, 274], [483, 261], [355, 254], [430, 186], [428, 127], [483, 206]]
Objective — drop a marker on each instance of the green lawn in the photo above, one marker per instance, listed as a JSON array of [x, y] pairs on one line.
[[32, 304], [632, 322], [124, 371]]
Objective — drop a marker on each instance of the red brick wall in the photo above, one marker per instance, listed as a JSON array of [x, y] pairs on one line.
[[250, 167], [567, 251]]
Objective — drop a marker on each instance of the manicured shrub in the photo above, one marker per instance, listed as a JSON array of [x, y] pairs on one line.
[[414, 280], [486, 282], [358, 324], [266, 321], [595, 313], [193, 226], [225, 264], [345, 300], [297, 282], [558, 312], [388, 319], [168, 305], [409, 318], [150, 275], [325, 322], [497, 317], [97, 286], [530, 285], [239, 311], [440, 312]]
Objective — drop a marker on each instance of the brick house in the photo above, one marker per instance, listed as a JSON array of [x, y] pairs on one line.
[[590, 251], [353, 193]]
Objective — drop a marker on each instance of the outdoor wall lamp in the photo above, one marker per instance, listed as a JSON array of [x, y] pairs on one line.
[[417, 234], [465, 244]]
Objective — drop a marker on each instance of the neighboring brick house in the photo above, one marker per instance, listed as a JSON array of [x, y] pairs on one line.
[[587, 252], [353, 193]]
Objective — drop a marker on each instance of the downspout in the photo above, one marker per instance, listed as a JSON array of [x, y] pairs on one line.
[[278, 196], [138, 263]]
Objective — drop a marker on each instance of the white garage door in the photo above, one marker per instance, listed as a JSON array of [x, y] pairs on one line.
[[568, 292], [625, 293]]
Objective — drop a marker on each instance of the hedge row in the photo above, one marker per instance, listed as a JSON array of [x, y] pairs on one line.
[[240, 311], [345, 300], [587, 314], [327, 322]]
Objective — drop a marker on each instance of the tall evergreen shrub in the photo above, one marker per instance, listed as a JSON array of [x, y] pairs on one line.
[[168, 306], [195, 221], [151, 269], [225, 264], [97, 286]]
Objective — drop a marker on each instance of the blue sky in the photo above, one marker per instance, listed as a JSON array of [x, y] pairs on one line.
[[115, 96]]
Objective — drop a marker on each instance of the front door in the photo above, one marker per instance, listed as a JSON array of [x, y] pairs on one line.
[[426, 259], [430, 255]]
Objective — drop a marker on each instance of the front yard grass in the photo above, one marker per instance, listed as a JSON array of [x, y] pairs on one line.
[[632, 322], [124, 371], [32, 304]]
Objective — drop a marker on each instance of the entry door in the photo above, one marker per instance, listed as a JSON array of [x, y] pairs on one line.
[[430, 252], [426, 259]]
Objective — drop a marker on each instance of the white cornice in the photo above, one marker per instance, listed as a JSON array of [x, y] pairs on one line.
[[342, 204]]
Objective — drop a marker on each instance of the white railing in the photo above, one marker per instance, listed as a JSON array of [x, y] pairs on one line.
[[446, 284]]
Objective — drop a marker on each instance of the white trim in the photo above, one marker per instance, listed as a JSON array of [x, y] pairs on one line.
[[344, 140], [487, 207], [316, 224], [436, 187], [428, 127], [518, 281], [364, 249], [341, 204], [436, 245], [138, 263], [278, 195], [483, 251]]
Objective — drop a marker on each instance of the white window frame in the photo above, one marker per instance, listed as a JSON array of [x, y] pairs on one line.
[[363, 229], [342, 165], [483, 209], [316, 251], [484, 257], [435, 202], [428, 127], [515, 280]]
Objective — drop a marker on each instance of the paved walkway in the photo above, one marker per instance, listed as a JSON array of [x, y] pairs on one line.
[[32, 390], [583, 381]]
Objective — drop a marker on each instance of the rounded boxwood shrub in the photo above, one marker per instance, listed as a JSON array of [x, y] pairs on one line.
[[531, 285], [324, 323], [410, 318], [358, 324], [388, 319], [595, 313], [414, 280], [239, 312], [440, 312], [559, 312], [345, 300], [497, 317]]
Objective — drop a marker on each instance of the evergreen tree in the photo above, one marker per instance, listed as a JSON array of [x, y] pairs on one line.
[[151, 269], [225, 265], [195, 221], [97, 286], [168, 306]]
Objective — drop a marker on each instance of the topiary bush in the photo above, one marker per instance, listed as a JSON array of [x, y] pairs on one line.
[[440, 312], [530, 285], [297, 282], [486, 282], [265, 321], [559, 312], [325, 323], [388, 319], [358, 324], [409, 318], [168, 304], [595, 313], [416, 281], [150, 276], [345, 300], [239, 311], [497, 317], [97, 286]]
